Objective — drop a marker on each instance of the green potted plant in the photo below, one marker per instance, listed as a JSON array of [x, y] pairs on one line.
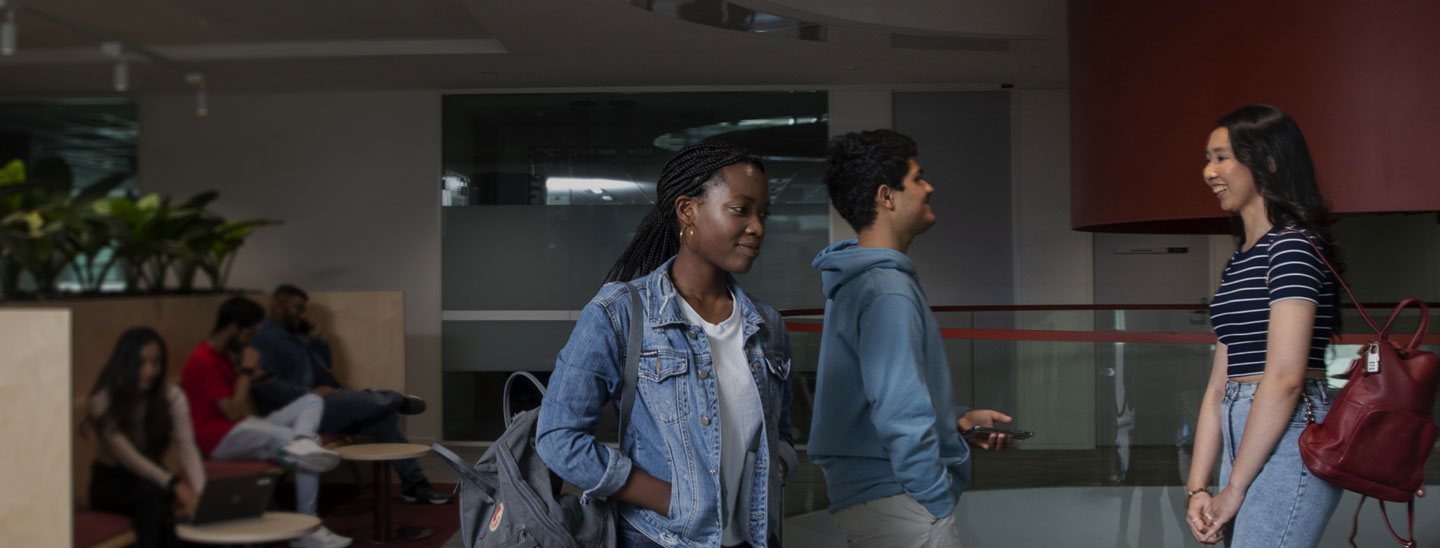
[[138, 228], [225, 242], [43, 225], [46, 228]]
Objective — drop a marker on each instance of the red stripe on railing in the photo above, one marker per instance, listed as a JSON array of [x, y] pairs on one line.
[[1146, 337], [1073, 307], [1399, 338]]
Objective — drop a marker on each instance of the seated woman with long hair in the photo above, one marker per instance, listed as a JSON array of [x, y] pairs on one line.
[[137, 417]]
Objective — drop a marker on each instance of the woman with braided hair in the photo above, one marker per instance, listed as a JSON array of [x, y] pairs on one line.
[[707, 446]]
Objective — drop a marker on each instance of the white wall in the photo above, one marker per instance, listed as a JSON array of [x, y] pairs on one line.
[[1053, 265], [355, 178]]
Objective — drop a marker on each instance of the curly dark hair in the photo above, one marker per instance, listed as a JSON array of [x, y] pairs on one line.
[[239, 312], [861, 162]]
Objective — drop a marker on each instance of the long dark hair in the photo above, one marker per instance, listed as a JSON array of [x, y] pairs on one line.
[[1261, 134], [688, 173], [120, 381]]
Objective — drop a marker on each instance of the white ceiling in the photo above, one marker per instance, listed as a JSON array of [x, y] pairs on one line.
[[274, 45]]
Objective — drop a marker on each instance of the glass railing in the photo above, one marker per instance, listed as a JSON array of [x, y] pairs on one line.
[[1112, 393]]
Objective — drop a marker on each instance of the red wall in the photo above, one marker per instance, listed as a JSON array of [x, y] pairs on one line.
[[1148, 80]]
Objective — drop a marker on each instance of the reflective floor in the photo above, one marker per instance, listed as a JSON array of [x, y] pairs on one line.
[[994, 471], [1058, 498]]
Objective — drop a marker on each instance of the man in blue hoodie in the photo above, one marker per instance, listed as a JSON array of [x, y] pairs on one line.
[[885, 428]]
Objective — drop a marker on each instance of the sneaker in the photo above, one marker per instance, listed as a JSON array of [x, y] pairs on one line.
[[323, 538], [307, 455], [412, 405], [423, 493]]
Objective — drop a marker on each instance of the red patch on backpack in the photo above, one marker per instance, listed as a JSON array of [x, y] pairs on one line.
[[495, 518]]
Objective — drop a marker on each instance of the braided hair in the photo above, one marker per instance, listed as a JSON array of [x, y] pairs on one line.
[[688, 173]]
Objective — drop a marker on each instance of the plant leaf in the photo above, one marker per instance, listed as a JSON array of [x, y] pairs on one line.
[[102, 188], [199, 201], [13, 172]]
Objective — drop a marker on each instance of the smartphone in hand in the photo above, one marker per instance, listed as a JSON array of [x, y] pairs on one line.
[[982, 432]]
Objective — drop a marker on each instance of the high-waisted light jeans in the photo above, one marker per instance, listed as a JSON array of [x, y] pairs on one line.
[[1286, 505]]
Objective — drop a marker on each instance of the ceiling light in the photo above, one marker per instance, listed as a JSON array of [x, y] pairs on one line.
[[122, 76], [8, 33], [116, 50], [202, 104], [578, 184], [677, 140]]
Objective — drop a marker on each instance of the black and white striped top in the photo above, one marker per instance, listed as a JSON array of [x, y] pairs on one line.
[[1240, 311]]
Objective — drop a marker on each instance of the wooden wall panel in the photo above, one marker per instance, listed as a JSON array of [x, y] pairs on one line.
[[35, 506], [367, 336]]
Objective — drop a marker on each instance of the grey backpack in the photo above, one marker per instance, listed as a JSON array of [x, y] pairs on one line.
[[510, 499]]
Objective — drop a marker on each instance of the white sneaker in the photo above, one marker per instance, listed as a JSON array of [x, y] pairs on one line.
[[307, 455], [323, 538]]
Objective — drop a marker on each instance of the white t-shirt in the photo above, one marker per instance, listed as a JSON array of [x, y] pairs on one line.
[[741, 415]]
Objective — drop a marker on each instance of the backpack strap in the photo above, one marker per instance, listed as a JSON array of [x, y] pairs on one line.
[[467, 475], [632, 365], [1355, 522], [505, 400], [1409, 543], [1363, 313], [632, 359]]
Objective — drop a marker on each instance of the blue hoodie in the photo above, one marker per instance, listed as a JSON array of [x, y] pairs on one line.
[[884, 421]]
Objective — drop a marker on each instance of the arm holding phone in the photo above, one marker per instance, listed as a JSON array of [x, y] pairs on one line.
[[978, 428]]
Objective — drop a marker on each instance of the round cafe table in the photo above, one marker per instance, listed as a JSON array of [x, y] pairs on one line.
[[270, 527], [381, 454]]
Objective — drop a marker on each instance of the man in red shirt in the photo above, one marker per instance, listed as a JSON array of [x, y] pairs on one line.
[[222, 412]]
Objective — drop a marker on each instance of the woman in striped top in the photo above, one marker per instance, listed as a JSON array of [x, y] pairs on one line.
[[1274, 314]]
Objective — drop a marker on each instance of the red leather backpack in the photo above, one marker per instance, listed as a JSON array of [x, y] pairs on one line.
[[1379, 432]]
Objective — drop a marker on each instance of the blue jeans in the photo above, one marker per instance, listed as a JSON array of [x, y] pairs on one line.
[[261, 439], [372, 413], [1286, 505], [626, 536]]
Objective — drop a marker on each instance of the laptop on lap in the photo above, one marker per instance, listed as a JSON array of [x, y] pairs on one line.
[[235, 497]]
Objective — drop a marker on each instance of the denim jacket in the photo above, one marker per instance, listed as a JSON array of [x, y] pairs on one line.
[[674, 430]]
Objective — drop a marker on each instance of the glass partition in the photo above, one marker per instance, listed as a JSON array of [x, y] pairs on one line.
[[543, 191], [1104, 413]]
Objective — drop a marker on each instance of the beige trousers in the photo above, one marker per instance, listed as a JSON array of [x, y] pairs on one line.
[[897, 521]]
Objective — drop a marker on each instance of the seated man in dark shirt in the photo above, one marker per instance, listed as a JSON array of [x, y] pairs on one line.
[[295, 352]]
